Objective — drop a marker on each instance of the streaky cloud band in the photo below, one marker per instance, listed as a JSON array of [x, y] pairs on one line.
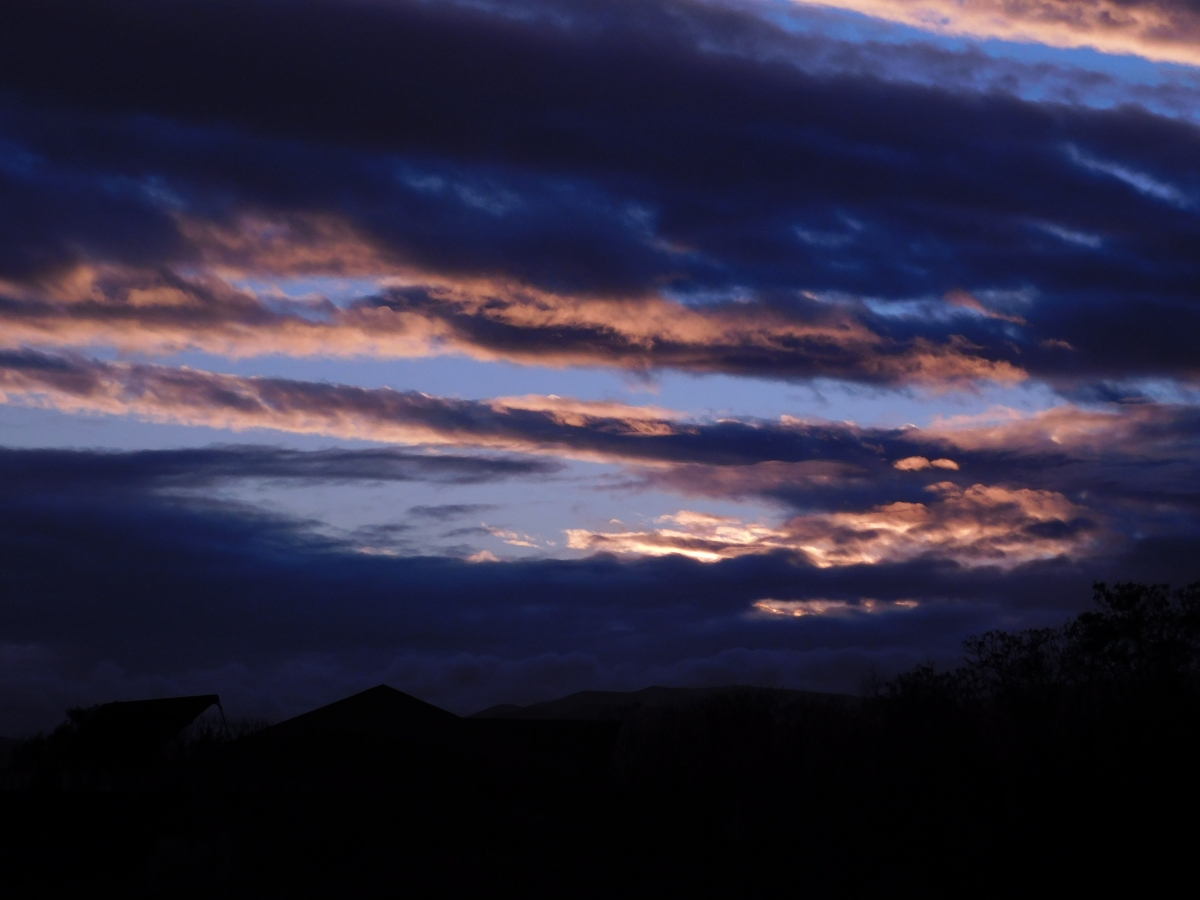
[[100, 471], [161, 312], [1166, 30], [1142, 454]]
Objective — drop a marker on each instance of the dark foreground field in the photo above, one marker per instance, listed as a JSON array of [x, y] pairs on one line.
[[1054, 760]]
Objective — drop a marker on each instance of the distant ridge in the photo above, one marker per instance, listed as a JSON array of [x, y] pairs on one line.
[[602, 706]]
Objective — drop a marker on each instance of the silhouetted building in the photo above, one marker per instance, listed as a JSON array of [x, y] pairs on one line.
[[384, 738]]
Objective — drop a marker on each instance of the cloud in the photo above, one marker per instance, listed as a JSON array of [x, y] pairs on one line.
[[446, 511], [597, 221], [127, 593], [98, 470], [194, 397], [1139, 457], [160, 313], [975, 526], [967, 301], [917, 463], [1140, 181], [797, 340], [1167, 30], [606, 431], [797, 608]]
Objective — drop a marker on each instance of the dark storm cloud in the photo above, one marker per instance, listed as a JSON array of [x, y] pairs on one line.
[[600, 150], [131, 592]]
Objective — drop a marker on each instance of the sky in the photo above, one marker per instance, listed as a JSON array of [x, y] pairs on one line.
[[501, 350]]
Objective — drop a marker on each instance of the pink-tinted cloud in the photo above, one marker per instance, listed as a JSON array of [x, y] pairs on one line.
[[753, 478], [969, 301], [752, 453], [1156, 29], [1022, 489], [798, 608], [161, 312], [1145, 429], [918, 463], [647, 436], [194, 397]]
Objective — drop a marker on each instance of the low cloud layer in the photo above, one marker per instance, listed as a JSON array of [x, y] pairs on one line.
[[1000, 491], [119, 591]]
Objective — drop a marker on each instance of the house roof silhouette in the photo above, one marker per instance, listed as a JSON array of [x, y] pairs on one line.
[[383, 737], [381, 712]]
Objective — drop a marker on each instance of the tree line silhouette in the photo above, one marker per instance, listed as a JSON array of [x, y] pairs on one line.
[[1053, 757]]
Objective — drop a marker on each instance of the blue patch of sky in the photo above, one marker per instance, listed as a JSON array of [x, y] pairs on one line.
[[333, 288], [537, 509], [30, 427], [528, 518]]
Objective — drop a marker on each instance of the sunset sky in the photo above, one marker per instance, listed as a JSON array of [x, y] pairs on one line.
[[500, 350]]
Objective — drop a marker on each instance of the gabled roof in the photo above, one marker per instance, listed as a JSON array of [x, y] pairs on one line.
[[380, 712]]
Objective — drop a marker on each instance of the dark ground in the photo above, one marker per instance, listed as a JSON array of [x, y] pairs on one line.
[[1054, 760]]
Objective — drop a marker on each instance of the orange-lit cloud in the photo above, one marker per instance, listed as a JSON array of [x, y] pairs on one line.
[[1062, 428], [1031, 462], [649, 420], [700, 536], [731, 457], [1006, 515], [917, 463], [820, 607], [751, 479], [1164, 31], [514, 538], [287, 245], [160, 312], [969, 301], [979, 525], [555, 425]]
